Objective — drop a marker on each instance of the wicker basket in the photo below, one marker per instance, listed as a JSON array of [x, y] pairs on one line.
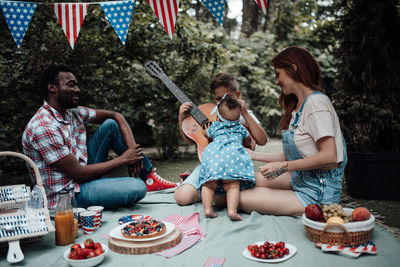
[[27, 225], [348, 234]]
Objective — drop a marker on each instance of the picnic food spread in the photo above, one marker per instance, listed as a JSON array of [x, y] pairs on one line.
[[268, 250], [90, 249], [334, 213], [143, 229]]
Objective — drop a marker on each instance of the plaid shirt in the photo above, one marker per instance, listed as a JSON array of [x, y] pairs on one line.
[[49, 137]]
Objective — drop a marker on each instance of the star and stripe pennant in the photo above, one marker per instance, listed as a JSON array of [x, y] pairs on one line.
[[166, 12], [216, 8], [71, 16], [119, 14], [263, 5], [18, 16]]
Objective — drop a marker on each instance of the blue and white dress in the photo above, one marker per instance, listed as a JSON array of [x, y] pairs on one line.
[[225, 158]]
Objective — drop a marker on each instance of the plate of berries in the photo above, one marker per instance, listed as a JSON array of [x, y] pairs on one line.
[[269, 251]]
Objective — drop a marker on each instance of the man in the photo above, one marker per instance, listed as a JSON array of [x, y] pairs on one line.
[[55, 139]]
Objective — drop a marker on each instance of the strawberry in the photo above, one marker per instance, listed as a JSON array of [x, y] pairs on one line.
[[98, 251], [96, 246], [75, 246], [89, 243]]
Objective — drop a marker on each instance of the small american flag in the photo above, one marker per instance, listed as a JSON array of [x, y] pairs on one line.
[[71, 16], [214, 262], [263, 5], [166, 11]]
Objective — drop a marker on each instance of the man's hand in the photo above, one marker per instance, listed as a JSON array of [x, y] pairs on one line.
[[134, 158], [184, 110]]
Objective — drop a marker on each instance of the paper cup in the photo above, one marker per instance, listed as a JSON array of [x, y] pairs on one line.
[[87, 218], [77, 211], [98, 216]]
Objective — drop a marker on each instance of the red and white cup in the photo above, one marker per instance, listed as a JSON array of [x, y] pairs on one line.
[[87, 218], [98, 216], [77, 211]]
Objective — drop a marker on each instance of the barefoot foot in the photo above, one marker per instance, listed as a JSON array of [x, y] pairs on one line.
[[234, 216], [209, 212]]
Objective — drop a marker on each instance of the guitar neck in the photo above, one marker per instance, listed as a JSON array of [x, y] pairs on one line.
[[195, 111]]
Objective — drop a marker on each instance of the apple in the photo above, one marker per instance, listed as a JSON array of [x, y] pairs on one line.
[[314, 212], [360, 214]]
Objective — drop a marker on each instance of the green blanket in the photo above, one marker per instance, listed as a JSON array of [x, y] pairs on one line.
[[224, 239]]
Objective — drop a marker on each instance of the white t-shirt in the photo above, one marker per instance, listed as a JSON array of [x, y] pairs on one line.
[[318, 119]]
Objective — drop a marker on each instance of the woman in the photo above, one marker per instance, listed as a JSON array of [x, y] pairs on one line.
[[311, 167]]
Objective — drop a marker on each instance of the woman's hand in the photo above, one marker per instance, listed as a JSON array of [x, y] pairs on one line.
[[274, 169], [242, 105]]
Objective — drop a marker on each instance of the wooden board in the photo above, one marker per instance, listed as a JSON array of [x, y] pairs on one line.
[[145, 247]]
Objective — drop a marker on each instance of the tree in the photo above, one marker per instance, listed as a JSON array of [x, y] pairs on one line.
[[250, 18]]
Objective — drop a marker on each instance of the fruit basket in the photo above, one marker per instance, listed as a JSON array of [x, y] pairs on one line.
[[347, 234], [23, 212]]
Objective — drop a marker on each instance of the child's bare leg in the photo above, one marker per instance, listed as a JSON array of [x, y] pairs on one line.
[[207, 198], [232, 189]]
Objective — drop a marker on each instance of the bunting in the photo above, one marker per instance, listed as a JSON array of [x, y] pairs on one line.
[[263, 5], [216, 8], [18, 16], [71, 16], [119, 14], [166, 11]]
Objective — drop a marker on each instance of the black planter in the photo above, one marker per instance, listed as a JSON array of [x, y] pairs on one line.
[[373, 176]]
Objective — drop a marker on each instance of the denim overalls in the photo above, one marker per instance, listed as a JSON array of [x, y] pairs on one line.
[[313, 186]]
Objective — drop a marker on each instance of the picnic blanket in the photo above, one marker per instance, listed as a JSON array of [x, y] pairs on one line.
[[223, 239]]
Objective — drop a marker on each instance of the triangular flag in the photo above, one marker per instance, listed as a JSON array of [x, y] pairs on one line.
[[263, 5], [18, 16], [119, 14], [216, 8], [166, 11], [71, 16]]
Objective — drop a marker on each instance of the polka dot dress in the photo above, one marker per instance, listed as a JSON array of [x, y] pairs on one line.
[[225, 158]]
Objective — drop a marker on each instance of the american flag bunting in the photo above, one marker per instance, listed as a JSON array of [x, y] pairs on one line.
[[119, 14], [71, 16], [166, 12], [216, 8], [263, 5], [18, 15]]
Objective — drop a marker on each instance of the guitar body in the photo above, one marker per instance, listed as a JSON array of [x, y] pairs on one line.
[[194, 131], [191, 125]]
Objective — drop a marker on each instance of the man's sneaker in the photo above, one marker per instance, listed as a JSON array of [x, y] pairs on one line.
[[155, 182], [184, 175]]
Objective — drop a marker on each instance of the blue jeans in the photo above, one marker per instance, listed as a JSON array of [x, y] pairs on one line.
[[110, 192]]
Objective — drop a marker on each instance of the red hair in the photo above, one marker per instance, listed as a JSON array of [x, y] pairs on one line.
[[308, 73]]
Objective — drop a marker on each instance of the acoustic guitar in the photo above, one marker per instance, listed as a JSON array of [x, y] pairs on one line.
[[191, 125]]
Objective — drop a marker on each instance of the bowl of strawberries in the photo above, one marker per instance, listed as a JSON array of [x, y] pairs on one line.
[[88, 254]]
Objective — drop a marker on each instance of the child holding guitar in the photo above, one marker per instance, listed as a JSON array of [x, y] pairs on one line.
[[226, 168], [223, 83]]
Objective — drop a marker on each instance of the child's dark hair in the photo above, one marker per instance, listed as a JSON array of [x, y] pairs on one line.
[[230, 102], [224, 79], [50, 76]]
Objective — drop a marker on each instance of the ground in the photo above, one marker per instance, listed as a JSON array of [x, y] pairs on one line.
[[387, 213]]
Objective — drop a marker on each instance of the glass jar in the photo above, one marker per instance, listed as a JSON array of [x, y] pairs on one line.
[[64, 219]]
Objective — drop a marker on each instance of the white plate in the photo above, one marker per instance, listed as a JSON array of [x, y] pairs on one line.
[[292, 250], [116, 233]]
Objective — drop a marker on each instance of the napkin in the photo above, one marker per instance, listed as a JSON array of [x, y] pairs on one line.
[[190, 230]]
